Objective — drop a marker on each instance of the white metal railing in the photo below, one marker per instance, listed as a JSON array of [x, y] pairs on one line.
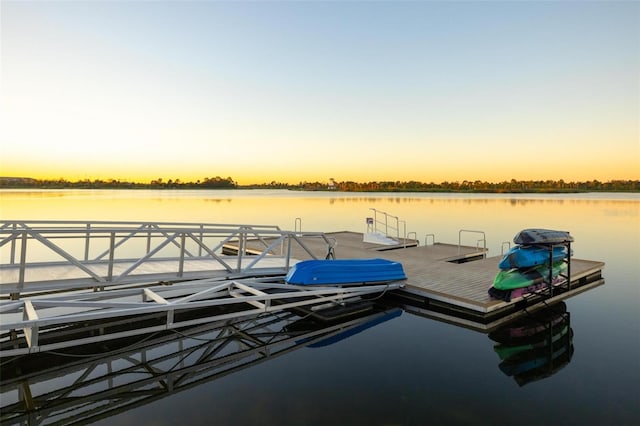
[[58, 255], [507, 244], [389, 226], [415, 238], [482, 240], [36, 317], [426, 239], [383, 226]]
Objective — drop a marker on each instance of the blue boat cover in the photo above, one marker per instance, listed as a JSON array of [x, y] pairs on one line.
[[345, 271]]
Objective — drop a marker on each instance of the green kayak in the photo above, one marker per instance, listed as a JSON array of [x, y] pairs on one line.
[[518, 278]]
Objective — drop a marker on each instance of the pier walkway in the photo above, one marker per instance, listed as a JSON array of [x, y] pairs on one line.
[[59, 274], [56, 278]]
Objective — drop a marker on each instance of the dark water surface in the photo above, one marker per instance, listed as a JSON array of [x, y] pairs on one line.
[[393, 367]]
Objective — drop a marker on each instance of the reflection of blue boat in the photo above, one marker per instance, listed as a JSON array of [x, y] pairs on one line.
[[345, 271], [355, 330], [528, 256]]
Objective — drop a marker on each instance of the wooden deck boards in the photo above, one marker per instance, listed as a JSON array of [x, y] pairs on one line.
[[430, 274]]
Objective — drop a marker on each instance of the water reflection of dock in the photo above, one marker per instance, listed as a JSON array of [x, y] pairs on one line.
[[85, 384]]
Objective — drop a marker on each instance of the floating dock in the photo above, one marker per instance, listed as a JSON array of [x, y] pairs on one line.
[[103, 271], [210, 300], [450, 282]]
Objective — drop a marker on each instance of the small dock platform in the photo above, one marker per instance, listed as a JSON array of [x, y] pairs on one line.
[[450, 282]]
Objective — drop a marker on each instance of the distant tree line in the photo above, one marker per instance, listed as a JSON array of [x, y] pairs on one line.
[[512, 186], [207, 183]]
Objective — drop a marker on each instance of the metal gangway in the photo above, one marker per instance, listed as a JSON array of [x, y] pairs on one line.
[[39, 256], [125, 271]]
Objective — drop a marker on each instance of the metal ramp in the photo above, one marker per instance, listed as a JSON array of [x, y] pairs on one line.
[[49, 322], [69, 283]]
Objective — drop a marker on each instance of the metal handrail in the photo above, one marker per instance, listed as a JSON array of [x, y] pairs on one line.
[[70, 243], [483, 239], [386, 224], [426, 239], [508, 244], [415, 237]]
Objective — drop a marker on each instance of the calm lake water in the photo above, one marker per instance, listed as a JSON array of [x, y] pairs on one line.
[[407, 370]]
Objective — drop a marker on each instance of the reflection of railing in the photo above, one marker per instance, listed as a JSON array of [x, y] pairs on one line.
[[92, 384], [56, 255]]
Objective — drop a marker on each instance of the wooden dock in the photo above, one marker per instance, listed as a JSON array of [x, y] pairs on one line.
[[450, 283]]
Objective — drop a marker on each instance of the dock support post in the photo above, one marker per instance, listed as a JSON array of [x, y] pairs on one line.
[[112, 243], [182, 249], [569, 265], [87, 238], [23, 263]]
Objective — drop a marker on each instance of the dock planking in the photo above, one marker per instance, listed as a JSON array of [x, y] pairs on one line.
[[458, 277]]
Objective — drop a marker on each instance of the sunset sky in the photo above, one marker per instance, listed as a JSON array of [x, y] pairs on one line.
[[293, 91]]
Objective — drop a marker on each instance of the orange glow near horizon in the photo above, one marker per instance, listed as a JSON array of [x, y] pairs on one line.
[[82, 102], [416, 169]]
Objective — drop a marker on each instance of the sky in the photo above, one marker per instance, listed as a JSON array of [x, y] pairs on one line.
[[308, 91]]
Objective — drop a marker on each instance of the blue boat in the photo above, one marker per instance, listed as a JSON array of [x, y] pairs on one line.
[[345, 271], [526, 257]]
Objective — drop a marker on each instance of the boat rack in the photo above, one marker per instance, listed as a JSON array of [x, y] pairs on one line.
[[562, 282]]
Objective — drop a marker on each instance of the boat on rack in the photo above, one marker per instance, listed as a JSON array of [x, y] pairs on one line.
[[519, 278], [542, 236], [529, 256], [345, 271]]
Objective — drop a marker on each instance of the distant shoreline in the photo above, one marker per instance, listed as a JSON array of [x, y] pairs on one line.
[[549, 191], [465, 187]]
